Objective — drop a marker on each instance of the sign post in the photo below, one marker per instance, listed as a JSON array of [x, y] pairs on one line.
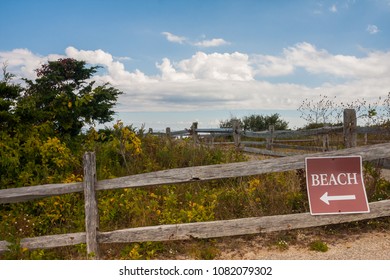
[[335, 185]]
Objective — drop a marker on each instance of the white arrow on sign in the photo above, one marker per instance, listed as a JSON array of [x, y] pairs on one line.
[[326, 198]]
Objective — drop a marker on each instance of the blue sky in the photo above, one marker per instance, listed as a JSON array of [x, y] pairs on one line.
[[179, 61]]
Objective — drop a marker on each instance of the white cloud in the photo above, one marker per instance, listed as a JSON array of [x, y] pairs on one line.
[[333, 8], [372, 29], [169, 73], [174, 38], [123, 58], [21, 62], [228, 81], [216, 42], [211, 43], [272, 66], [117, 74], [95, 57], [320, 61], [218, 66]]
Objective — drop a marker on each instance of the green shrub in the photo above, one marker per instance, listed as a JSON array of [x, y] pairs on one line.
[[141, 251], [318, 246]]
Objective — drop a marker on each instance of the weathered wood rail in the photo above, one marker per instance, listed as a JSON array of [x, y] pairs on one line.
[[285, 139], [212, 229], [191, 174], [93, 237]]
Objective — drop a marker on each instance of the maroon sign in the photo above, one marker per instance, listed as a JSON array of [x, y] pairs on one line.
[[335, 185]]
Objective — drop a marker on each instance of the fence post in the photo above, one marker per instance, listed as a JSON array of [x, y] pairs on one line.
[[325, 143], [270, 139], [212, 139], [236, 134], [350, 131], [91, 210], [168, 132], [194, 134]]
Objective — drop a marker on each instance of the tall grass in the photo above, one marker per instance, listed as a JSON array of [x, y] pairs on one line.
[[122, 151]]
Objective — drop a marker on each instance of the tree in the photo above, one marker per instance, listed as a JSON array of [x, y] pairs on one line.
[[229, 122], [323, 110], [257, 122], [260, 122], [367, 113], [64, 96], [9, 93], [320, 111]]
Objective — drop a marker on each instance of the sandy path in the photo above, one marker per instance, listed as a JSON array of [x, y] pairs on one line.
[[365, 246]]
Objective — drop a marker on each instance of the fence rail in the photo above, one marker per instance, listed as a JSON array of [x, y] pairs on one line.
[[212, 229], [262, 134], [179, 176], [191, 174], [275, 138], [92, 237]]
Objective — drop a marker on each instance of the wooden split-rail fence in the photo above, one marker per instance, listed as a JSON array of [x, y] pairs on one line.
[[284, 142], [213, 229]]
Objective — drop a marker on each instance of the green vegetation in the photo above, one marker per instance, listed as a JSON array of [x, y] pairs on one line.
[[42, 142], [256, 122], [319, 246], [62, 96], [41, 122], [328, 111]]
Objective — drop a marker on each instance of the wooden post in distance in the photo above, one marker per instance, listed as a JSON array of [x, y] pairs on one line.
[[350, 128], [237, 134], [194, 134]]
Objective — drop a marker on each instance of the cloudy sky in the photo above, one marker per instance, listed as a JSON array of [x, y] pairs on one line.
[[179, 61]]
